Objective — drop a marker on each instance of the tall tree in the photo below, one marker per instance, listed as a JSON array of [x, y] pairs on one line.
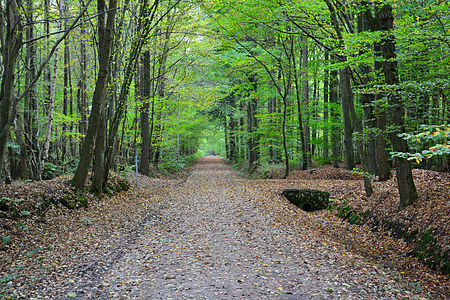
[[105, 29], [385, 23]]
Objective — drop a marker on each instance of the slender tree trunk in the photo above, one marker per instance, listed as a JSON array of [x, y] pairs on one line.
[[299, 111], [314, 116], [335, 130], [252, 127], [144, 83], [82, 85], [283, 126], [232, 137], [325, 109], [305, 96], [51, 104], [64, 13], [346, 94]]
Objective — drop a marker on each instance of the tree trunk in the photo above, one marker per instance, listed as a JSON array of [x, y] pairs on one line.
[[99, 160], [51, 104], [406, 186], [299, 111], [313, 111], [31, 106], [232, 137], [64, 12], [335, 130], [82, 85], [12, 36], [144, 83], [105, 37], [347, 102], [252, 126], [325, 109], [305, 96]]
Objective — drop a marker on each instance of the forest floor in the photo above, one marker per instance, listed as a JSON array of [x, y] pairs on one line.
[[210, 235]]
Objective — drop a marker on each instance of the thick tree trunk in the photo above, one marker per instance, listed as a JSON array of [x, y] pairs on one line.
[[105, 37], [12, 37], [99, 159], [406, 186]]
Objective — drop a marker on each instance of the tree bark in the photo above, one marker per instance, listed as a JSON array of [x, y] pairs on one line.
[[335, 130], [11, 39], [252, 126], [105, 37], [144, 83], [346, 94], [347, 102], [305, 98], [325, 108], [406, 186], [51, 104], [299, 110]]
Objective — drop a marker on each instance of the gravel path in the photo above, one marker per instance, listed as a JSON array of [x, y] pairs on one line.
[[211, 239]]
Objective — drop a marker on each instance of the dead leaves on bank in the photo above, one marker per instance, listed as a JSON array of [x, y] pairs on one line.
[[430, 211]]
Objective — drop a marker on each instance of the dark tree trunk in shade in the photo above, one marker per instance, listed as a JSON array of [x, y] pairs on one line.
[[232, 136], [144, 93], [252, 126], [99, 157], [13, 44], [346, 95], [406, 186]]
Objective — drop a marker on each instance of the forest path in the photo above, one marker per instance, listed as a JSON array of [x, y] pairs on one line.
[[212, 239]]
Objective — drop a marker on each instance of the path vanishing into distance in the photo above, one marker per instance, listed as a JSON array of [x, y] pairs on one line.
[[215, 236]]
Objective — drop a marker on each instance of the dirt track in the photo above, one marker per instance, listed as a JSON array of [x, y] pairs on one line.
[[213, 240]]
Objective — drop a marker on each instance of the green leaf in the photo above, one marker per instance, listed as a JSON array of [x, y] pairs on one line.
[[6, 239]]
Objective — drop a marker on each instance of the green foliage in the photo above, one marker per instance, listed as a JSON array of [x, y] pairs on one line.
[[6, 239], [435, 135], [363, 173], [428, 250]]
